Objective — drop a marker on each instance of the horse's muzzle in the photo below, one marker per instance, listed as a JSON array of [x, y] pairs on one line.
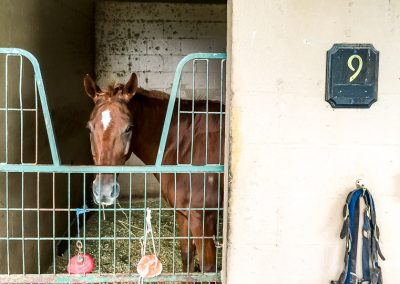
[[105, 190]]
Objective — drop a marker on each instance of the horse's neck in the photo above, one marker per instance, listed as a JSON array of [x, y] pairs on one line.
[[148, 119]]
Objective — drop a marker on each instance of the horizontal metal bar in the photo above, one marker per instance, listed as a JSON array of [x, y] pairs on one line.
[[94, 238], [16, 168], [109, 209], [113, 278], [201, 112], [17, 109]]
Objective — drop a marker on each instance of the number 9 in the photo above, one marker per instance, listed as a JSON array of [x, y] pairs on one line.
[[350, 65]]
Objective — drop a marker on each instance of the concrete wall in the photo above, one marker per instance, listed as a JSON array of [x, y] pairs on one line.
[[293, 157], [150, 39], [59, 34]]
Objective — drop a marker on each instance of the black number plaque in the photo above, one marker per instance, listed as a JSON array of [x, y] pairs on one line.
[[352, 75]]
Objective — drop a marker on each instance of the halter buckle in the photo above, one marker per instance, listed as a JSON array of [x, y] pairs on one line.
[[368, 212]]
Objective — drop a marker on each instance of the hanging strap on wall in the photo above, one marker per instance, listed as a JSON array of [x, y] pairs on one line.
[[371, 271]]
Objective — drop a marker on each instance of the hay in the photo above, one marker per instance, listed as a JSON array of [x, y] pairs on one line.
[[168, 249], [107, 262]]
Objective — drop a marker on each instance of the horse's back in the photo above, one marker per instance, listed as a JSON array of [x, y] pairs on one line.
[[200, 142]]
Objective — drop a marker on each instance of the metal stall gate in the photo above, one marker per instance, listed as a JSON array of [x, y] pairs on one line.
[[42, 216]]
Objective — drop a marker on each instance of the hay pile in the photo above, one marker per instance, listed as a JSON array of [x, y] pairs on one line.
[[116, 224]]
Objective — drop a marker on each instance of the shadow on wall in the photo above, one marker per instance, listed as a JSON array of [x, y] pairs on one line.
[[60, 35]]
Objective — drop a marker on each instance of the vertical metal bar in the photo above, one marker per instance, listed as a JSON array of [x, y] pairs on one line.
[[189, 217], [6, 102], [54, 224], [84, 215], [220, 112], [178, 124], [21, 111], [218, 217], [203, 221], [69, 214], [174, 228], [115, 228], [99, 228], [222, 75], [145, 204], [207, 90], [36, 125], [22, 222], [38, 218], [130, 221], [7, 227], [193, 88]]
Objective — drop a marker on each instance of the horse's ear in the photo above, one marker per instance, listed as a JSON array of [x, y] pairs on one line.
[[91, 88], [130, 88]]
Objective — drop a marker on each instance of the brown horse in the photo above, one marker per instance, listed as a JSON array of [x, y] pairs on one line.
[[128, 119]]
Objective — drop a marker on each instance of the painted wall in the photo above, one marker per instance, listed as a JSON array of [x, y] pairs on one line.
[[59, 34], [150, 39], [293, 157]]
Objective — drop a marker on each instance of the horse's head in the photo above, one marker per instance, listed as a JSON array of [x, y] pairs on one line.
[[110, 128]]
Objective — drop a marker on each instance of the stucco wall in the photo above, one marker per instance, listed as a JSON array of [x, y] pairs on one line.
[[293, 157], [60, 35]]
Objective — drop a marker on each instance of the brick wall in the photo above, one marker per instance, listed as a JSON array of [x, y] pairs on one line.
[[151, 38]]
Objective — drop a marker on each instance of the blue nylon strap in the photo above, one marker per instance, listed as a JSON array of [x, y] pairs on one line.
[[80, 211], [354, 201], [366, 248]]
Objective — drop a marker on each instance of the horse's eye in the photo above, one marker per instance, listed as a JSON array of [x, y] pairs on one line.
[[89, 127], [128, 129]]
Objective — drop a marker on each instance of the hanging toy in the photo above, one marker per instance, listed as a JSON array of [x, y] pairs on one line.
[[149, 265], [81, 263]]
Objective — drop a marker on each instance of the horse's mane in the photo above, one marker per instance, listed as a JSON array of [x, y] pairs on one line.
[[114, 88]]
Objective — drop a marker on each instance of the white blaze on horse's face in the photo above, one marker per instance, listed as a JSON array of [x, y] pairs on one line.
[[105, 119]]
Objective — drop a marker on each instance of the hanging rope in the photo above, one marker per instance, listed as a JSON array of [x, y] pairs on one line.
[[80, 263], [149, 265]]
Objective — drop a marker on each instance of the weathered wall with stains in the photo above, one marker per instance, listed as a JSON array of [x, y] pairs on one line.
[[60, 34], [293, 157], [150, 39]]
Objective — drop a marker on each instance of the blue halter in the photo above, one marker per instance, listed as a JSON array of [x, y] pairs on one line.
[[371, 271]]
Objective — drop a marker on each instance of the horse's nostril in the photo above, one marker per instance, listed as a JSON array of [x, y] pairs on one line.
[[115, 191]]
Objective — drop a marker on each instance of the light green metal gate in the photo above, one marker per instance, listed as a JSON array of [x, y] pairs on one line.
[[38, 199]]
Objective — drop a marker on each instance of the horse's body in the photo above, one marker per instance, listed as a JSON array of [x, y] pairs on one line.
[[140, 115]]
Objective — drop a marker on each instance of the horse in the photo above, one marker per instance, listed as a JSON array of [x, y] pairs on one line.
[[128, 119]]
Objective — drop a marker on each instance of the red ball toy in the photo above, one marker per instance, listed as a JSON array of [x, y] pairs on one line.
[[80, 264]]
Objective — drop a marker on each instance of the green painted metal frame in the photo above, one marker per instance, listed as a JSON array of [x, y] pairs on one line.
[[56, 167], [42, 96]]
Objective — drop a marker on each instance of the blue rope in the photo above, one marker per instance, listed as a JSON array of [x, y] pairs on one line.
[[80, 211]]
